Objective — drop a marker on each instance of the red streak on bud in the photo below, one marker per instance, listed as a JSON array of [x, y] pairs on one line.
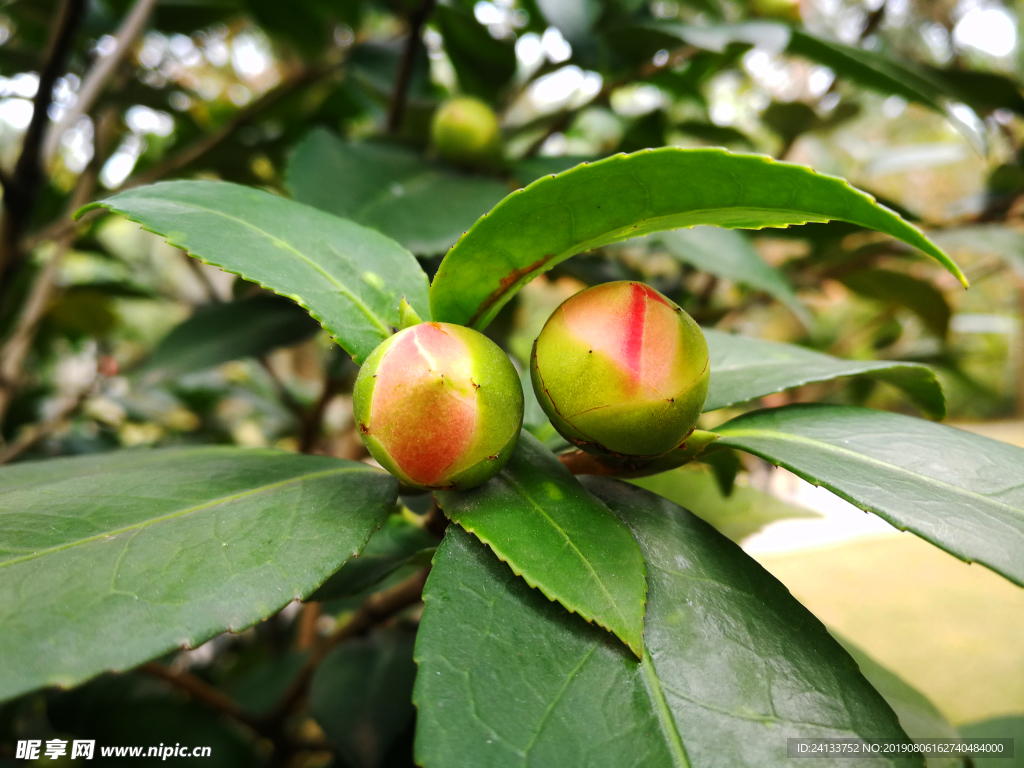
[[633, 334], [424, 406]]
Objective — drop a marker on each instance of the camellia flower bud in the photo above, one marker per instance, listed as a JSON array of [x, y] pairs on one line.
[[465, 130], [621, 370], [439, 406]]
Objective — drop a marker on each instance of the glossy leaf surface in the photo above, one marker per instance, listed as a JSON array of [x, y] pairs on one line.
[[391, 189], [350, 278], [733, 665], [962, 492], [538, 518], [107, 561], [743, 368], [625, 196]]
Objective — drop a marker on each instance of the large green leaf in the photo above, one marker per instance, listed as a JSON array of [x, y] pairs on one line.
[[962, 492], [349, 278], [109, 560], [729, 254], [742, 513], [391, 189], [361, 695], [743, 368], [219, 333], [538, 518], [624, 196], [733, 664]]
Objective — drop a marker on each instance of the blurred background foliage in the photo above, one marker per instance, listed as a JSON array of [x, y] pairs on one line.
[[110, 338]]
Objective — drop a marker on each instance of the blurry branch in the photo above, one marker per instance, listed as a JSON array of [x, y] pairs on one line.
[[396, 110], [18, 344], [20, 191], [194, 151], [312, 421], [873, 22], [96, 78], [204, 144], [33, 433], [203, 691], [375, 609]]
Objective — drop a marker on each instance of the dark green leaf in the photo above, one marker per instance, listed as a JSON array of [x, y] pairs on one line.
[[961, 492], [361, 695], [729, 254], [743, 369], [984, 91], [390, 189], [109, 560], [394, 545], [219, 333], [626, 196], [349, 278], [742, 513], [482, 64], [538, 518], [902, 290], [734, 665]]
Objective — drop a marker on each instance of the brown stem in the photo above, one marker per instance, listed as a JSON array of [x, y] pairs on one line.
[[204, 692], [396, 109], [375, 609], [305, 638], [583, 463], [313, 420], [20, 193]]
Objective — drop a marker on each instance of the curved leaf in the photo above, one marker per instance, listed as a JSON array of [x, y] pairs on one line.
[[900, 289], [349, 278], [107, 561], [962, 492], [733, 664], [538, 518], [743, 368], [624, 196], [247, 327]]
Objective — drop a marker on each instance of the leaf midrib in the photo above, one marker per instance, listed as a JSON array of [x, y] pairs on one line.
[[180, 513], [568, 540], [288, 246]]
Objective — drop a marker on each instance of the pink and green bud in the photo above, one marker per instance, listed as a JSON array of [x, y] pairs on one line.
[[439, 406], [620, 370]]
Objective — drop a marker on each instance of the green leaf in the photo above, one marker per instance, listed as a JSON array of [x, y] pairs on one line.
[[391, 189], [902, 290], [107, 561], [733, 664], [1008, 727], [729, 254], [538, 518], [247, 327], [742, 513], [482, 64], [626, 196], [349, 278], [918, 716], [394, 545], [743, 369], [361, 695], [961, 492]]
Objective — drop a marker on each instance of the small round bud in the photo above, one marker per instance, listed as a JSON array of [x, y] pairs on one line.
[[465, 130], [784, 10], [620, 370], [439, 406]]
